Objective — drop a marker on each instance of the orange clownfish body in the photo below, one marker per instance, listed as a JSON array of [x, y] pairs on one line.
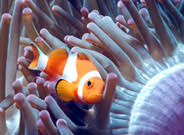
[[79, 78]]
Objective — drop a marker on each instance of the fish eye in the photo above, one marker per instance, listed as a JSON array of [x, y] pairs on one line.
[[89, 84]]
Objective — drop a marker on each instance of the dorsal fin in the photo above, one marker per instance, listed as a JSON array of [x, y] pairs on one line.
[[56, 61], [83, 56]]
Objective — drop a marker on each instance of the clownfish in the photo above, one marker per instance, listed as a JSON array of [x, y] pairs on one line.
[[77, 77]]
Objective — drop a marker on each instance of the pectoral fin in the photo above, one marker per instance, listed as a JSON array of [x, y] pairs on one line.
[[65, 90]]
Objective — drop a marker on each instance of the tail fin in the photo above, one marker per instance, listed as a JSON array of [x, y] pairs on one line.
[[40, 59]]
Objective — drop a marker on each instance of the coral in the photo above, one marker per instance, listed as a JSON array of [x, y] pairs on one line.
[[136, 45]]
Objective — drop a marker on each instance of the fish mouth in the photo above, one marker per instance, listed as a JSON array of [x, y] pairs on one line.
[[93, 98]]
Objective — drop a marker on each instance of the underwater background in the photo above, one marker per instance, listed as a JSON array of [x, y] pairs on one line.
[[137, 46]]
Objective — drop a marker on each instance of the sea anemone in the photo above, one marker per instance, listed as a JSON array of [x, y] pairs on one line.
[[136, 45]]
